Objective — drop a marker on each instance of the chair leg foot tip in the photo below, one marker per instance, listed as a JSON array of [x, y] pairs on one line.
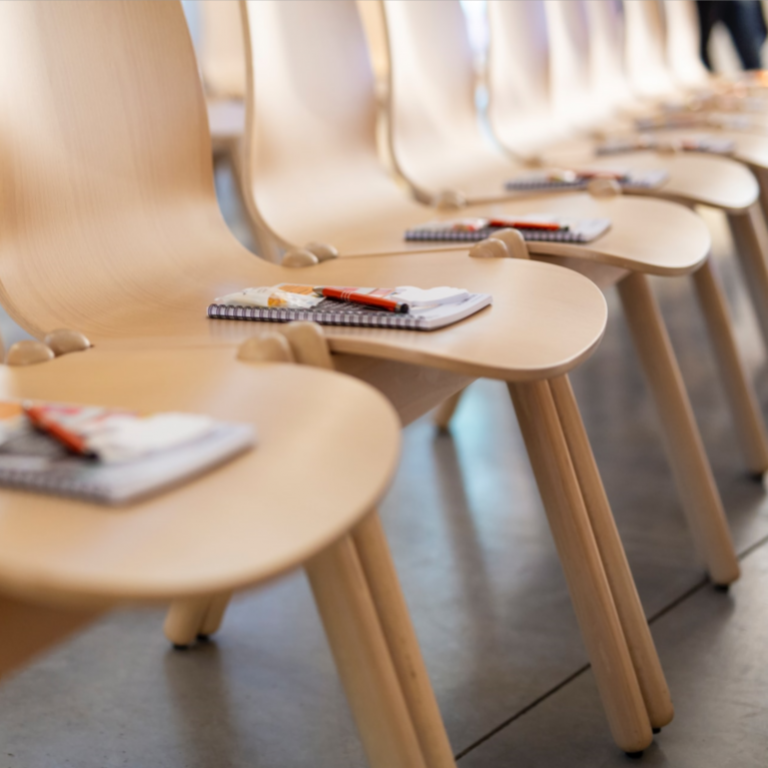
[[181, 646], [656, 730], [634, 755], [204, 638], [722, 587]]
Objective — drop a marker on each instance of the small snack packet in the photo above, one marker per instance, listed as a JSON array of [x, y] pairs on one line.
[[270, 297]]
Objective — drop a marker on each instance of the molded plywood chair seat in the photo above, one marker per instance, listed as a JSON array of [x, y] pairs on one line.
[[433, 93], [315, 172], [112, 228], [650, 69], [310, 148], [327, 448], [585, 68]]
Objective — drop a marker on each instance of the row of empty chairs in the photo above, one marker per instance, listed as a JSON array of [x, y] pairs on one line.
[[111, 227]]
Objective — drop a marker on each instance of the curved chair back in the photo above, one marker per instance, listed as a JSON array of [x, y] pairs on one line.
[[106, 157], [607, 48], [574, 97], [684, 43], [311, 123], [519, 76], [433, 123], [221, 54], [647, 48]]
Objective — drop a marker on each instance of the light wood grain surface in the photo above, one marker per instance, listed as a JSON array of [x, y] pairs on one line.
[[332, 187], [327, 448], [113, 229], [436, 136]]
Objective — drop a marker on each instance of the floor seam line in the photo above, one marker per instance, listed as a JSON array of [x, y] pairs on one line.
[[522, 712], [651, 619]]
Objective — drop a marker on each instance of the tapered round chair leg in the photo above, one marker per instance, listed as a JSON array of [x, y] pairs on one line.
[[395, 619], [751, 241], [362, 658], [580, 558], [217, 607], [690, 466], [748, 420], [444, 412], [184, 619], [645, 659]]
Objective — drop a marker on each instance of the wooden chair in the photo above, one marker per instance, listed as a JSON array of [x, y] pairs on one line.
[[310, 149], [752, 150], [112, 227], [301, 499], [433, 116], [578, 74]]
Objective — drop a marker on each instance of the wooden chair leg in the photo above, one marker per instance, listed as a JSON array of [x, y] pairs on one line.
[[696, 484], [214, 615], [580, 558], [444, 412], [362, 658], [749, 236], [376, 560], [637, 633], [185, 619], [742, 400], [189, 618]]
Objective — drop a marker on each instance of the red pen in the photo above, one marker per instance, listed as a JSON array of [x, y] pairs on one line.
[[543, 225], [350, 294]]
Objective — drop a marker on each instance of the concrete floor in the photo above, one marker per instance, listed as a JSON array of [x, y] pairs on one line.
[[487, 595]]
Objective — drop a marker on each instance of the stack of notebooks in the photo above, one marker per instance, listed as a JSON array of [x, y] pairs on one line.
[[404, 308], [532, 227], [106, 455], [701, 142], [552, 180], [692, 120]]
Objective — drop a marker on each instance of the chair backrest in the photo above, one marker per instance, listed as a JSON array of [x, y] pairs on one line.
[[105, 157], [683, 44], [607, 47], [221, 55], [519, 76], [432, 113], [311, 118], [574, 98], [646, 40]]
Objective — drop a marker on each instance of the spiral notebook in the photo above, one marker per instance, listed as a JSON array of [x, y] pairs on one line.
[[532, 227], [570, 180], [338, 312], [46, 456], [673, 120], [692, 143]]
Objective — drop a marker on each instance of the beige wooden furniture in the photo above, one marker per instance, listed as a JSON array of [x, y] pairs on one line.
[[579, 84], [327, 449], [315, 155], [606, 44], [113, 228], [534, 99]]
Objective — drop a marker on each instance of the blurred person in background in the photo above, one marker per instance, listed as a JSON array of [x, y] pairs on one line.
[[744, 21]]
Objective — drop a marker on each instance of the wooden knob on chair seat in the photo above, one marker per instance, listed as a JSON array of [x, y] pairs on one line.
[[28, 352], [604, 188], [323, 251], [668, 148], [299, 258], [489, 249], [449, 200], [270, 347], [63, 341], [517, 248], [533, 161]]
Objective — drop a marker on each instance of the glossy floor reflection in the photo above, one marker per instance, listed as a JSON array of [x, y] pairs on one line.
[[488, 598]]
